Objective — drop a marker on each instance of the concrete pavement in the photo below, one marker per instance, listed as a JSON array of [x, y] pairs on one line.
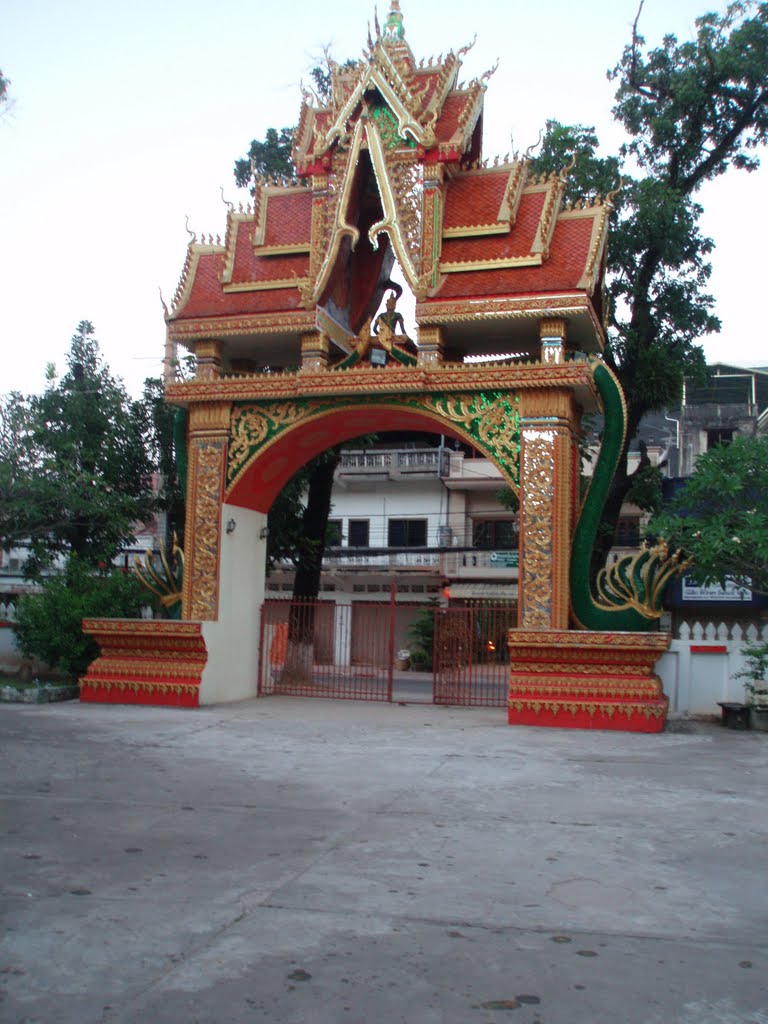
[[296, 860]]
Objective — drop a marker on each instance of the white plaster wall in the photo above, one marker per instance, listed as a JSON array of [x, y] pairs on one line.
[[380, 502], [231, 672], [696, 672]]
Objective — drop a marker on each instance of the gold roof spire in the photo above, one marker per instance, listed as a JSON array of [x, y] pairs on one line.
[[393, 27]]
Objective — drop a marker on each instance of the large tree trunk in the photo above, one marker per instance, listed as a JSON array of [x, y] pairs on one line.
[[306, 585]]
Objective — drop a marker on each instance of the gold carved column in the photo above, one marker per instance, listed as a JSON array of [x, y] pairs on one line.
[[315, 351], [207, 459], [548, 421], [431, 345], [209, 355]]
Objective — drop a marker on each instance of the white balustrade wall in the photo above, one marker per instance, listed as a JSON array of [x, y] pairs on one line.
[[702, 665]]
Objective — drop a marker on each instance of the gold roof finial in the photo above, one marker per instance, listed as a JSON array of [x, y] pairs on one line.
[[614, 192], [393, 27]]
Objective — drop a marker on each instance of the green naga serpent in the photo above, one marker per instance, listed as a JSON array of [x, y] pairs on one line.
[[629, 592]]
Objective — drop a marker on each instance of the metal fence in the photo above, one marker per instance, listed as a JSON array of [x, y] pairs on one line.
[[354, 651], [471, 663], [324, 649]]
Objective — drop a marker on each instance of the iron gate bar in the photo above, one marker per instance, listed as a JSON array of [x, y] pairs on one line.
[[471, 664], [352, 651]]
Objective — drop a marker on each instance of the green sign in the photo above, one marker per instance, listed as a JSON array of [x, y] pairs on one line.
[[504, 559]]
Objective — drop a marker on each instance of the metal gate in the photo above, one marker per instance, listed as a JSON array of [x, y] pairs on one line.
[[324, 649], [310, 649], [471, 661]]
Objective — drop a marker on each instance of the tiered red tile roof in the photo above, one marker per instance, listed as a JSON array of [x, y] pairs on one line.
[[503, 234]]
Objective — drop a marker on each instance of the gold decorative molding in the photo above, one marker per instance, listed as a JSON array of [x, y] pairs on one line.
[[207, 460], [208, 353], [294, 249], [199, 328], [553, 328], [476, 230], [209, 419], [506, 263], [365, 379], [315, 351], [555, 405], [462, 310], [265, 286], [537, 471]]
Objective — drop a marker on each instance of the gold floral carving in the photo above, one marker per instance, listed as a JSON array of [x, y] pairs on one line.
[[537, 487], [201, 586], [250, 426], [488, 421]]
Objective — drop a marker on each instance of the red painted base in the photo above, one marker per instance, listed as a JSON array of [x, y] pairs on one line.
[[106, 693], [585, 680], [145, 662]]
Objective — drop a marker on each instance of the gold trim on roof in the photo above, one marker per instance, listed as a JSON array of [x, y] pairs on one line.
[[195, 250], [476, 230], [503, 263], [265, 286]]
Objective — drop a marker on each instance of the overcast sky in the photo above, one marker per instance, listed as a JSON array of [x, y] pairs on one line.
[[128, 117]]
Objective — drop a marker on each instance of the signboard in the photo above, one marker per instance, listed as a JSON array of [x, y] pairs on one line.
[[505, 559], [714, 592], [488, 591]]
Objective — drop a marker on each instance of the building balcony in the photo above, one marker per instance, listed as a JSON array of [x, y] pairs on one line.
[[478, 564], [380, 560], [394, 464]]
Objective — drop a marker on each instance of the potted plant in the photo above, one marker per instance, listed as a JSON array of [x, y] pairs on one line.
[[756, 685]]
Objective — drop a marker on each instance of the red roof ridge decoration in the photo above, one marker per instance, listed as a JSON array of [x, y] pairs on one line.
[[391, 166]]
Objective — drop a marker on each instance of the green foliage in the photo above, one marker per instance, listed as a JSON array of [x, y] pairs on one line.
[[508, 499], [160, 444], [721, 516], [74, 473], [691, 111], [270, 158], [422, 635], [645, 491], [48, 624], [756, 673]]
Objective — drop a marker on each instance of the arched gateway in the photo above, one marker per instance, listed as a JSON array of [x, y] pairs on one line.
[[279, 317]]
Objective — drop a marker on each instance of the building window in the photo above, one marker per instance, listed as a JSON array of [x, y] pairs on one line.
[[718, 437], [628, 532], [358, 533], [407, 533], [494, 534]]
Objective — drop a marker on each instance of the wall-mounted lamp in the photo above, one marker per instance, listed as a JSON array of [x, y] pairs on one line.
[[231, 524], [263, 533]]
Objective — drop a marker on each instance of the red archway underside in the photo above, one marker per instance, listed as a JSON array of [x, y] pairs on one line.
[[266, 476]]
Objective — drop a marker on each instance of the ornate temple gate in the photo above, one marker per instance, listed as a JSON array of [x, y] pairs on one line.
[[290, 361]]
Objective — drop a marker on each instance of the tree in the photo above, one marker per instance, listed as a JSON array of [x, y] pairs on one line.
[[48, 624], [6, 102], [160, 443], [720, 516], [270, 158], [691, 111], [75, 478]]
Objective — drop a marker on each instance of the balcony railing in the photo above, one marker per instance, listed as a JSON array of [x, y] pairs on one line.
[[395, 463], [377, 560]]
